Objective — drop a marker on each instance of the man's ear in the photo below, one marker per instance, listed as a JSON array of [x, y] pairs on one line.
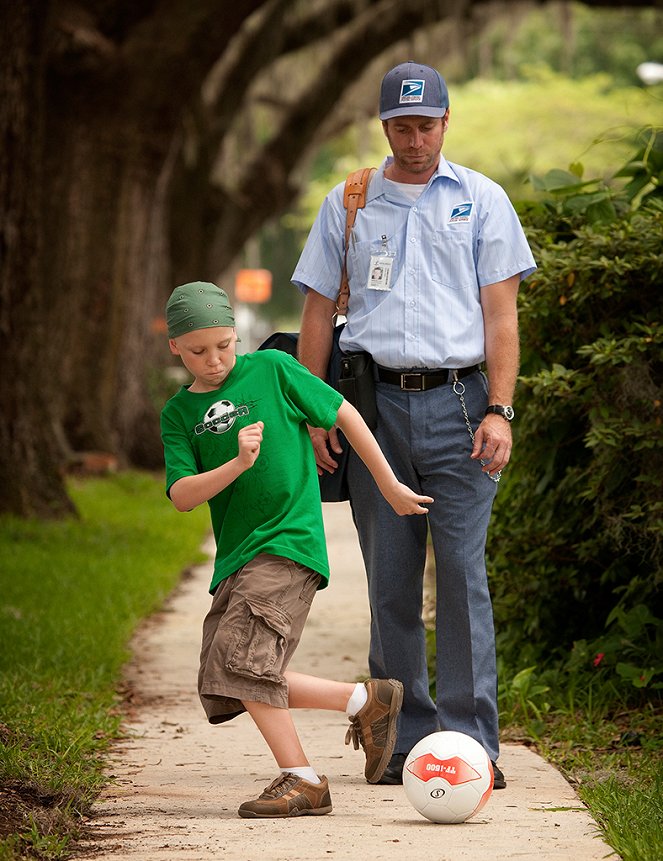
[[173, 347]]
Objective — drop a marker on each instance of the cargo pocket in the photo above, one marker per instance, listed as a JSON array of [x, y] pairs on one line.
[[258, 648]]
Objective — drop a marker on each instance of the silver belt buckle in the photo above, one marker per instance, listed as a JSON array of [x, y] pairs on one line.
[[416, 386]]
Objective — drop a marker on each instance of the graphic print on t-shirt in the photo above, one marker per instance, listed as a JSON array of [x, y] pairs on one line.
[[220, 417]]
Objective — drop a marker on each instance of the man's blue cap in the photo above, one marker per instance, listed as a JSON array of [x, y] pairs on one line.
[[412, 89]]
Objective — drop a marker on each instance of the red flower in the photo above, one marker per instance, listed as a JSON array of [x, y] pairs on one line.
[[599, 657]]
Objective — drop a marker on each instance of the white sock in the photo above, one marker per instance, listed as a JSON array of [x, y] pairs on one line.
[[304, 771], [358, 699]]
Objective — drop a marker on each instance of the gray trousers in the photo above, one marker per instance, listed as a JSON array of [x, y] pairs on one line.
[[425, 439]]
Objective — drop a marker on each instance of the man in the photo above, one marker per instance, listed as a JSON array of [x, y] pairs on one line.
[[452, 254]]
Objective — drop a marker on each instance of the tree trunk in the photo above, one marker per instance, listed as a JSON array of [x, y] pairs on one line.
[[31, 482], [107, 259]]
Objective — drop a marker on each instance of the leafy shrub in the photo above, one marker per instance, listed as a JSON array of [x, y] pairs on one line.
[[576, 545]]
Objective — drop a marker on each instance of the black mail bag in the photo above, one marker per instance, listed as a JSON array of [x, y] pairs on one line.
[[333, 486]]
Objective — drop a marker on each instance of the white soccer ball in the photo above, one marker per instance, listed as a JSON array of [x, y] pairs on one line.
[[448, 777]]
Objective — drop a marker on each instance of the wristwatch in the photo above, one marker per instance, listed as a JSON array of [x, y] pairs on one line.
[[506, 412]]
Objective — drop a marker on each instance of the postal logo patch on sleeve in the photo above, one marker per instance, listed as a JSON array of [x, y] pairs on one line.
[[412, 92], [461, 212]]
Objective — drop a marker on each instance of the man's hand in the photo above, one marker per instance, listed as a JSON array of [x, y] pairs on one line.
[[322, 443], [492, 443], [249, 439]]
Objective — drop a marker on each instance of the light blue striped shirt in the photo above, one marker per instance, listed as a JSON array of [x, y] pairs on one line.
[[461, 234]]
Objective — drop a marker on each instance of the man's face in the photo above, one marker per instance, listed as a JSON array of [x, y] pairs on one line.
[[415, 143], [207, 354]]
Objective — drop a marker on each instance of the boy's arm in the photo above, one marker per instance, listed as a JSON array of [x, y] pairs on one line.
[[192, 490], [401, 498]]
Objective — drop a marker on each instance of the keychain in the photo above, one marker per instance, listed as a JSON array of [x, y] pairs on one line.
[[459, 389]]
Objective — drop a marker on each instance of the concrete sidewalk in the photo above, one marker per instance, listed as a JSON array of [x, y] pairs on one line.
[[178, 781]]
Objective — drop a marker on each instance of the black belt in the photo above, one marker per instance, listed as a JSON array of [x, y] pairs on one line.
[[421, 381]]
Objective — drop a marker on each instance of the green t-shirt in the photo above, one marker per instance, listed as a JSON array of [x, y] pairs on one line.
[[273, 507]]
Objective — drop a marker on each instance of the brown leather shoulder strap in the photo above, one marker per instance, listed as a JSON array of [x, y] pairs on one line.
[[354, 198]]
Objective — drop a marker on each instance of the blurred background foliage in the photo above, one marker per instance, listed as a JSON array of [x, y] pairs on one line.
[[540, 88]]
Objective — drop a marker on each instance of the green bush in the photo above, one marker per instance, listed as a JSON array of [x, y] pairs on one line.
[[576, 545]]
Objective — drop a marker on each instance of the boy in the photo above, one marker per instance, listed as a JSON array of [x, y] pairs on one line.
[[237, 438]]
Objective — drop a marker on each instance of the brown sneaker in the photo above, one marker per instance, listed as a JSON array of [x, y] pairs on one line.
[[374, 726], [289, 795]]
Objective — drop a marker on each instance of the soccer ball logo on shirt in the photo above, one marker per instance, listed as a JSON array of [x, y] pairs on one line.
[[220, 417]]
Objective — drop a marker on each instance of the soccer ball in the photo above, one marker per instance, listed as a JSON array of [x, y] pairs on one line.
[[448, 777]]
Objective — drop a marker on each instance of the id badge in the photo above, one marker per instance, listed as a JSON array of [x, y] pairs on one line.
[[379, 272]]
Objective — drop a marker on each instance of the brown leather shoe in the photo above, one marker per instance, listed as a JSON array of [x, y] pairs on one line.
[[374, 725], [289, 795]]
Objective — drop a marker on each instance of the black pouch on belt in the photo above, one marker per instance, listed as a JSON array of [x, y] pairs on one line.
[[357, 385]]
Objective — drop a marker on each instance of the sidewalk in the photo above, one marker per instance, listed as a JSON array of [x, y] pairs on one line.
[[179, 781]]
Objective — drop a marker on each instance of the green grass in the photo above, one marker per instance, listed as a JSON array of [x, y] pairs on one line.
[[620, 805], [607, 744], [71, 595]]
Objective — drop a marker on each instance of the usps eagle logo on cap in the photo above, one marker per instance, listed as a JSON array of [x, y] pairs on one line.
[[412, 91]]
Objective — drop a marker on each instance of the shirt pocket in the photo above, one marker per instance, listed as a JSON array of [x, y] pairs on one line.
[[453, 259]]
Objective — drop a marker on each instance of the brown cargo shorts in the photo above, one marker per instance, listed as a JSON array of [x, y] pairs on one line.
[[250, 633]]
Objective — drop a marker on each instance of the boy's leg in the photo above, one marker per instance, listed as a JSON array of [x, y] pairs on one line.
[[372, 725], [290, 794], [278, 730], [249, 636], [311, 692]]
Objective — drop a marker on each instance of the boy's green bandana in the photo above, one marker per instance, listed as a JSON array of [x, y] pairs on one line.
[[199, 305]]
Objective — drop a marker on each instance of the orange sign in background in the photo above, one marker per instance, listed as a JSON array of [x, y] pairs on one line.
[[253, 285]]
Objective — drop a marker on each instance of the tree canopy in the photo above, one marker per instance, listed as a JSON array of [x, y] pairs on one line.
[[142, 146]]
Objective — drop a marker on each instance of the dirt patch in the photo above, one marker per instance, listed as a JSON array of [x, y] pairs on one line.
[[22, 807], [21, 804], [15, 811]]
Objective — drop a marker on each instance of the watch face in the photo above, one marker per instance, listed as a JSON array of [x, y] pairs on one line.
[[500, 410]]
